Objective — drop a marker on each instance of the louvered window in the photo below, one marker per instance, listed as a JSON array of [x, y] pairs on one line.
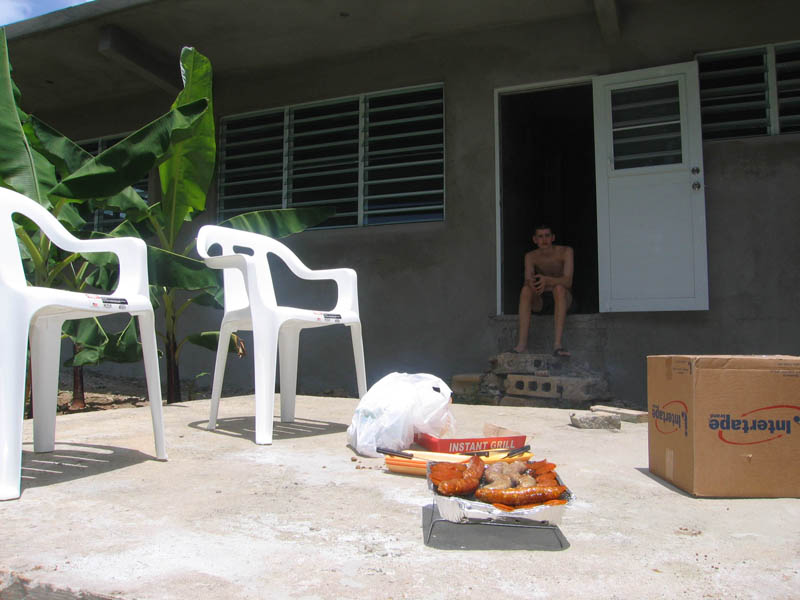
[[646, 126], [105, 220], [787, 69], [754, 91], [375, 158]]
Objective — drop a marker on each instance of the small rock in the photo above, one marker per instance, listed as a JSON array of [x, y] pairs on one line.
[[590, 420]]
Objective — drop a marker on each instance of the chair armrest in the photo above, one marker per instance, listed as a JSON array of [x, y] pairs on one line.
[[346, 282], [131, 253], [231, 261]]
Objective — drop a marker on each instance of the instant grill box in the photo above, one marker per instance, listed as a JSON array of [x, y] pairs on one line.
[[473, 444], [725, 426]]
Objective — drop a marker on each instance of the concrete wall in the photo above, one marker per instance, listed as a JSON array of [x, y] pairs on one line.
[[427, 291]]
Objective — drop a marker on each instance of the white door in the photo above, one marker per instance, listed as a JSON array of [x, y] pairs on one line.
[[651, 220]]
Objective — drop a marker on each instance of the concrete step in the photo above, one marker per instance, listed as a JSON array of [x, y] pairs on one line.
[[511, 362]]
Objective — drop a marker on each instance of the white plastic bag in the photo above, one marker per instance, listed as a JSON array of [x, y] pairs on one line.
[[397, 406]]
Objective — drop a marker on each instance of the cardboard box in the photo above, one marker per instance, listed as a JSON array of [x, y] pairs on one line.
[[725, 426]]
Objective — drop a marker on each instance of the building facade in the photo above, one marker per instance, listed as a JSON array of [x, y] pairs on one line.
[[659, 138]]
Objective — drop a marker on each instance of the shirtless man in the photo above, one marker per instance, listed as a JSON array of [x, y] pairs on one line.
[[548, 277]]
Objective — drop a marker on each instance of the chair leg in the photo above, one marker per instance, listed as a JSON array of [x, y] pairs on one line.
[[225, 332], [147, 334], [358, 355], [13, 360], [45, 358], [265, 350], [289, 346]]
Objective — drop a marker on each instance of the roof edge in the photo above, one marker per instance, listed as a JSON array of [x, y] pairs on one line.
[[68, 16]]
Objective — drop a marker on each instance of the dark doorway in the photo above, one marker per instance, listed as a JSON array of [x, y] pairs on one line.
[[547, 176]]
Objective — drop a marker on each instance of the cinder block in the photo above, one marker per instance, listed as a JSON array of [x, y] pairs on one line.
[[465, 383], [532, 385]]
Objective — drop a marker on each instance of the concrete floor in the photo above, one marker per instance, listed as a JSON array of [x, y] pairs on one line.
[[306, 517]]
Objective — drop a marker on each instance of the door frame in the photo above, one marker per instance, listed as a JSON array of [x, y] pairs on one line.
[[498, 191]]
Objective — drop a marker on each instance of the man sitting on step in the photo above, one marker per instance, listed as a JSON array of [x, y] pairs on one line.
[[548, 286]]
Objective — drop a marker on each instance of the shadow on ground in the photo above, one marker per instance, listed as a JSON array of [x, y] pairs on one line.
[[14, 587], [74, 461], [245, 427], [646, 472]]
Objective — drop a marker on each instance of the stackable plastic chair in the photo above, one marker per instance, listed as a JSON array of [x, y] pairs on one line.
[[250, 304], [42, 311]]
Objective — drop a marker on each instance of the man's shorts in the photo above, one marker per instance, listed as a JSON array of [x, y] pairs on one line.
[[549, 305]]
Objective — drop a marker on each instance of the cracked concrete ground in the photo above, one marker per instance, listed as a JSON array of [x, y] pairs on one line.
[[306, 517]]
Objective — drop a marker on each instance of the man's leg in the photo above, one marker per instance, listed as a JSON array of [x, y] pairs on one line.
[[529, 301], [562, 298]]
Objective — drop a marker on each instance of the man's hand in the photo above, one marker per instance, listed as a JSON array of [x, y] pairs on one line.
[[531, 284], [539, 284]]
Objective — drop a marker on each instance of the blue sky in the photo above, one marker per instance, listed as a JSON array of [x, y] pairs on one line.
[[12, 11]]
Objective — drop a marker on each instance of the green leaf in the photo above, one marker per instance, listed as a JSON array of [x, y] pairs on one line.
[[18, 165], [103, 278], [86, 332], [68, 157], [86, 356], [175, 270], [280, 222], [210, 341], [129, 160], [213, 298], [189, 166], [123, 347]]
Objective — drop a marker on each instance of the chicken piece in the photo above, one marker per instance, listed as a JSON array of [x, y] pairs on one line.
[[499, 482]]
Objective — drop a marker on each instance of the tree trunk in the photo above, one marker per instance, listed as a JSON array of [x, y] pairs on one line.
[[28, 396], [173, 374], [78, 395]]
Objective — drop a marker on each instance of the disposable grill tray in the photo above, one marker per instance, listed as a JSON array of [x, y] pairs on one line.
[[482, 534]]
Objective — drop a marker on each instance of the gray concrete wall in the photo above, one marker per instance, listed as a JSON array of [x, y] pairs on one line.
[[427, 291]]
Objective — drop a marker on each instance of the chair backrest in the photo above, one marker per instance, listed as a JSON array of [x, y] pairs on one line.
[[11, 271], [234, 241]]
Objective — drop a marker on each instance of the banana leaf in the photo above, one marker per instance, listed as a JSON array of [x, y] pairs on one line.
[[68, 157], [169, 269], [210, 340], [110, 172], [88, 355], [18, 165], [90, 337], [280, 222], [86, 332], [212, 298], [124, 346], [103, 278], [187, 169]]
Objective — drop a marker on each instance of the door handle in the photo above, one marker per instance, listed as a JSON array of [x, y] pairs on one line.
[[696, 186]]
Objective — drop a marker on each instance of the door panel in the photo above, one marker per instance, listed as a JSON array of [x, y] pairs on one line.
[[650, 199]]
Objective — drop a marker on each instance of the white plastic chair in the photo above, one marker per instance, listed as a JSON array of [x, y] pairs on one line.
[[250, 304], [42, 311]]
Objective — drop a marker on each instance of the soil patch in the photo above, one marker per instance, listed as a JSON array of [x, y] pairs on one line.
[[105, 392]]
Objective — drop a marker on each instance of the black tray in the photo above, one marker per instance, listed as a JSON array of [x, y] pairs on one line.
[[474, 534]]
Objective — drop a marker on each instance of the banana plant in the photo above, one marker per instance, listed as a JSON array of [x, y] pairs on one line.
[[182, 144], [34, 156]]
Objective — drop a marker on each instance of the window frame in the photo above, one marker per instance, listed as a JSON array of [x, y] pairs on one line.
[[772, 107], [360, 215]]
